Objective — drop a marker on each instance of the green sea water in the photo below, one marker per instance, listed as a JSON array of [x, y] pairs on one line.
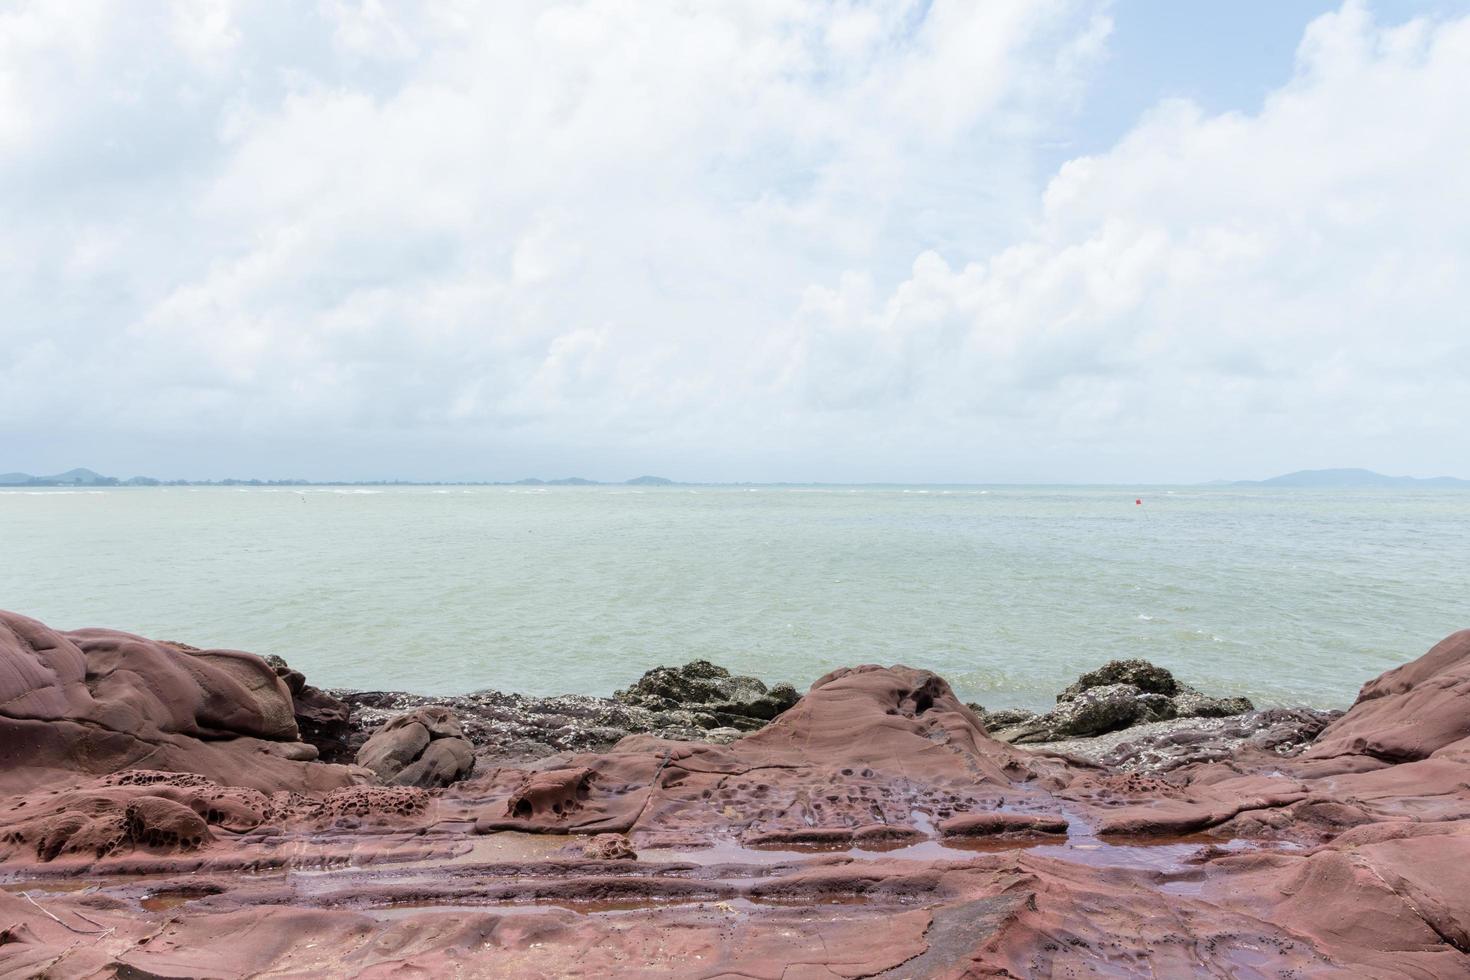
[[1286, 596]]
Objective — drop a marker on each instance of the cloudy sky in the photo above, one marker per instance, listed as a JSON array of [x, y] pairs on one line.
[[948, 241]]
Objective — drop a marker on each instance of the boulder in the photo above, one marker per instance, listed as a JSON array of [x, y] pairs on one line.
[[444, 761], [709, 696], [1107, 708], [1141, 674], [425, 748], [1116, 696]]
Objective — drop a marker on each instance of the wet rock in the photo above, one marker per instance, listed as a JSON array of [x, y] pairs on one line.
[[993, 823], [425, 747]]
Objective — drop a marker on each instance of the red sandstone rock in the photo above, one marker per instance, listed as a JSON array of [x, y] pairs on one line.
[[1410, 712], [609, 847], [425, 747], [871, 830], [97, 701]]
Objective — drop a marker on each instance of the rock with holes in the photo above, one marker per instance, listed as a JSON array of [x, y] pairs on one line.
[[153, 821], [385, 804], [235, 809], [553, 795], [425, 747], [609, 847], [67, 833]]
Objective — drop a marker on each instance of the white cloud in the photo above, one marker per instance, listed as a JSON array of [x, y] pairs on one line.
[[685, 234], [1286, 286]]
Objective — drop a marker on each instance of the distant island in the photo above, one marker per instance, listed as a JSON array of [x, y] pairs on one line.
[[1336, 479], [90, 478], [1350, 479]]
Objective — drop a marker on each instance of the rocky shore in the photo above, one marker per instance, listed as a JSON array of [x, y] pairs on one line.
[[167, 811]]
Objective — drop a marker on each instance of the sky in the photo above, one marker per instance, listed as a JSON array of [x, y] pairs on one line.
[[998, 241]]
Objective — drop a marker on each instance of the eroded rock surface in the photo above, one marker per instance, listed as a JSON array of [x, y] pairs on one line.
[[873, 829], [97, 701]]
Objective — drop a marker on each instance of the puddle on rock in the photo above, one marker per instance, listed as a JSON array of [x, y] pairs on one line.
[[1080, 845]]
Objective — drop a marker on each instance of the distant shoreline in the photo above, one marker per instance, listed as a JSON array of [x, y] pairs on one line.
[[1337, 479]]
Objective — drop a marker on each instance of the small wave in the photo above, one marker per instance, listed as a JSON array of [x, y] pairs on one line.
[[1145, 617]]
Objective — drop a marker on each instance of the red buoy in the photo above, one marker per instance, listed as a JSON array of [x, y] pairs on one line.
[[1140, 502]]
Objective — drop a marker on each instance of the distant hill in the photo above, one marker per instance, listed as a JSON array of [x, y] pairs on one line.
[[71, 478], [650, 481], [1350, 479]]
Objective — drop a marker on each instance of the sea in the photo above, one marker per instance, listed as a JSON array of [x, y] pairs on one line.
[[1287, 596]]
